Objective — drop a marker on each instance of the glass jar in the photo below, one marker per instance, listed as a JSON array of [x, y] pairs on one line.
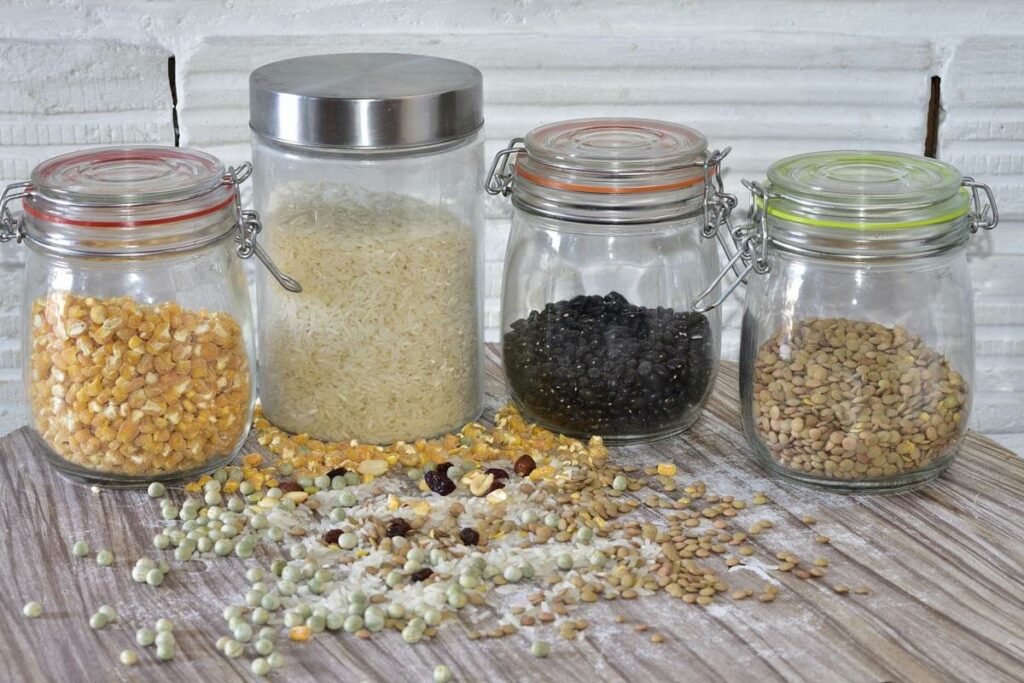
[[137, 332], [612, 239], [368, 170], [857, 351]]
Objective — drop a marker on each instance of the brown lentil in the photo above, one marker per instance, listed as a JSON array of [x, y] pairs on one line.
[[855, 400]]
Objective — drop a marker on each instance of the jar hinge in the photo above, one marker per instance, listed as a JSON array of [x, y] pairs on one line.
[[751, 241], [984, 214], [718, 204], [500, 179], [11, 227], [249, 226]]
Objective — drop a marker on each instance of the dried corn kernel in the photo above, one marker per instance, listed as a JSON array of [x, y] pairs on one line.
[[667, 469], [134, 389], [300, 633]]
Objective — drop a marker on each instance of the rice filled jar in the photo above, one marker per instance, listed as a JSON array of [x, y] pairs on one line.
[[857, 351], [367, 177], [612, 241], [137, 327]]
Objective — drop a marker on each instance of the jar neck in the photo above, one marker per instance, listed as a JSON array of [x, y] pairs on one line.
[[608, 209], [843, 244], [130, 242]]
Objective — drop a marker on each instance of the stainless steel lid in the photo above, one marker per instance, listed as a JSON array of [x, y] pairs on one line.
[[366, 100]]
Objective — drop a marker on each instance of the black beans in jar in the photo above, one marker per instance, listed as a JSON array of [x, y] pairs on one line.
[[601, 365]]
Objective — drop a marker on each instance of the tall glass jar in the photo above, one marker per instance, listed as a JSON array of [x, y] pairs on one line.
[[137, 329], [368, 170], [612, 239], [857, 351]]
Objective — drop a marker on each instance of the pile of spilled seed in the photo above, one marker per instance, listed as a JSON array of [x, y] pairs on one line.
[[368, 539]]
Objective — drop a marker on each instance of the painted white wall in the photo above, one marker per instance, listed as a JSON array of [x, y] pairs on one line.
[[768, 77]]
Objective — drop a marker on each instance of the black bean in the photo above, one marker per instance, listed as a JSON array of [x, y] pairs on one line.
[[332, 536], [421, 574], [497, 472], [439, 483], [600, 365], [289, 486], [469, 536], [397, 527], [338, 472]]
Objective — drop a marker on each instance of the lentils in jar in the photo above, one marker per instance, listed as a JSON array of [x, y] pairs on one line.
[[852, 400], [137, 389], [601, 365]]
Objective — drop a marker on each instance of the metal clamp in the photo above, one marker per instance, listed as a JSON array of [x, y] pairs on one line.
[[718, 205], [249, 226], [751, 242], [984, 214], [500, 179], [11, 227]]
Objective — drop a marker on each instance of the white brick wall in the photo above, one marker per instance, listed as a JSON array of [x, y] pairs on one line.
[[768, 77]]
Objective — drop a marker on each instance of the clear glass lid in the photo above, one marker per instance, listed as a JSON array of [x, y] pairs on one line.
[[115, 187], [613, 156], [865, 190], [129, 199]]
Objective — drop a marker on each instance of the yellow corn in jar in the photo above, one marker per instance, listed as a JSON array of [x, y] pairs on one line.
[[137, 326]]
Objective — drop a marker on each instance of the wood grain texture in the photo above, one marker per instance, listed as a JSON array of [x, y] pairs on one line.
[[945, 566]]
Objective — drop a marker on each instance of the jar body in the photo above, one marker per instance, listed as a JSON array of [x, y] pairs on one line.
[[598, 335], [138, 368], [858, 375], [384, 342]]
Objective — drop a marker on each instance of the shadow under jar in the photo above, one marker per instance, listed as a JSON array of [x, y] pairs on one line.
[[136, 327], [612, 239], [857, 351]]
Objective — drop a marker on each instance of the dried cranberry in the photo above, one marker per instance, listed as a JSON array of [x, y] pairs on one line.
[[397, 527], [289, 486], [495, 485], [470, 536], [332, 536], [524, 465], [338, 472], [497, 472], [421, 574], [443, 468], [439, 483]]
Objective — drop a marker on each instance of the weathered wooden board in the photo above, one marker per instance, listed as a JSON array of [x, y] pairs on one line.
[[945, 566]]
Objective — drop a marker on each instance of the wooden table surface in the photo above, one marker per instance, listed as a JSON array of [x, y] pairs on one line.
[[945, 566]]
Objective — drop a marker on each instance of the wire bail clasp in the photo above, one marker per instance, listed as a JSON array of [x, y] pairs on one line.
[[718, 204], [249, 226], [500, 179], [11, 226], [751, 241], [983, 212]]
